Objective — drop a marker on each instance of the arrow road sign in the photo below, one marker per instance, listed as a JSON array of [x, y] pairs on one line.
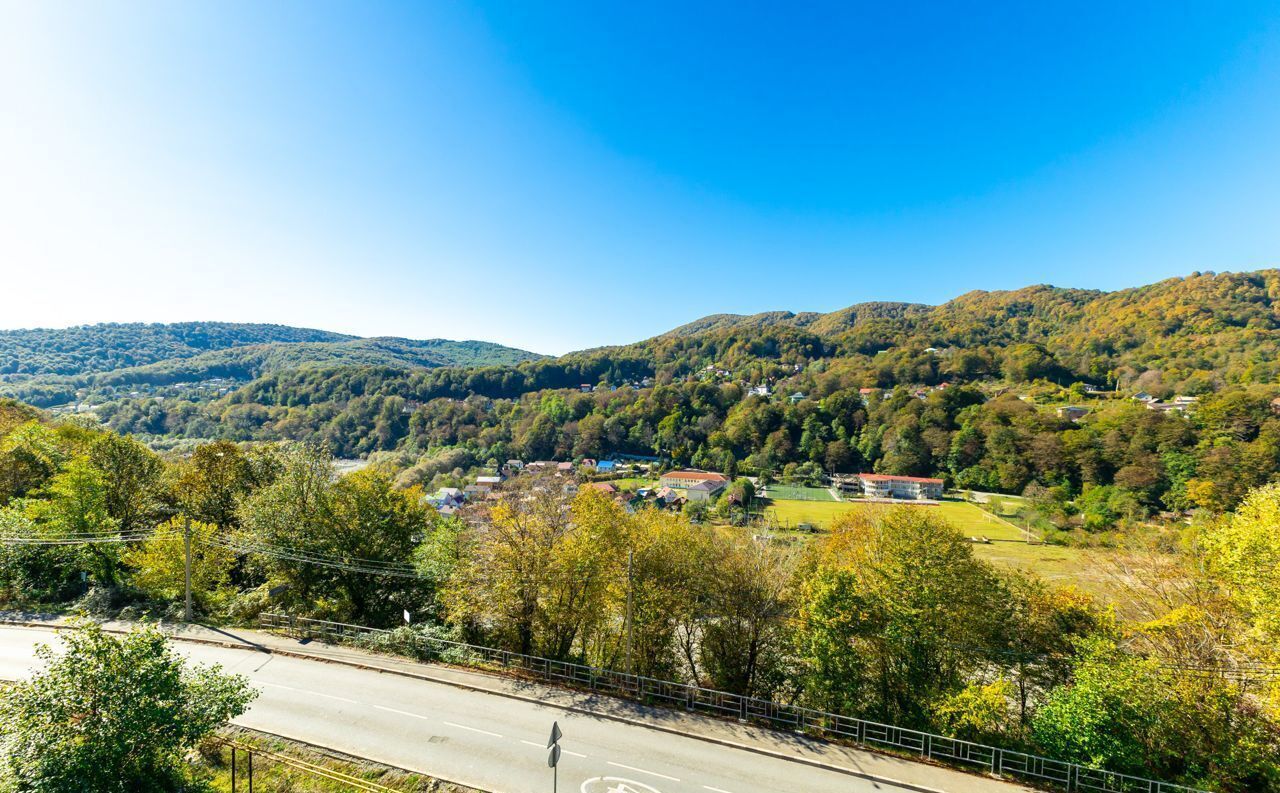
[[555, 734]]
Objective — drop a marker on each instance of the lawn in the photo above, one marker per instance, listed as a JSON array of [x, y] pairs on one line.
[[968, 518], [1055, 563], [798, 493], [632, 483]]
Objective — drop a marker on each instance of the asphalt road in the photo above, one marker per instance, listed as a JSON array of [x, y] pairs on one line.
[[480, 739]]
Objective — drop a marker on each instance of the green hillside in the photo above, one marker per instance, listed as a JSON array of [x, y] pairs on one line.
[[49, 367], [101, 348]]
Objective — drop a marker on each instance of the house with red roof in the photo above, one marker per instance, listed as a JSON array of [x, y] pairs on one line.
[[909, 487]]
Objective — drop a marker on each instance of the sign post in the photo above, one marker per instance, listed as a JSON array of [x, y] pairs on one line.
[[186, 566], [553, 755]]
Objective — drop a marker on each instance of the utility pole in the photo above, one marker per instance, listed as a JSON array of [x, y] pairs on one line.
[[186, 542], [630, 621]]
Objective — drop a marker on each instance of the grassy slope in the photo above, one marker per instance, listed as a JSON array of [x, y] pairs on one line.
[[1054, 563]]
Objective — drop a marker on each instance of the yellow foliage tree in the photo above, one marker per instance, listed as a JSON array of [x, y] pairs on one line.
[[158, 564]]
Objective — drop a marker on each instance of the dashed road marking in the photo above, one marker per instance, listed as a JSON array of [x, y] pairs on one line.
[[402, 713], [473, 729], [642, 770], [542, 746], [312, 693]]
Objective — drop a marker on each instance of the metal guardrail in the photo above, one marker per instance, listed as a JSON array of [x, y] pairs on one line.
[[245, 767], [1068, 776]]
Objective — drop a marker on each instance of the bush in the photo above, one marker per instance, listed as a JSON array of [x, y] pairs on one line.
[[113, 714]]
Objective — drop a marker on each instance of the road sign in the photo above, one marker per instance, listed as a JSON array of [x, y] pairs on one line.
[[553, 757], [406, 617]]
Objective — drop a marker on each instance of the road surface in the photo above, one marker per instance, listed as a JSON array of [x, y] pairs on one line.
[[498, 743]]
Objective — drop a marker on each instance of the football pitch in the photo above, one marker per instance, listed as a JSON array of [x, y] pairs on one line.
[[796, 493]]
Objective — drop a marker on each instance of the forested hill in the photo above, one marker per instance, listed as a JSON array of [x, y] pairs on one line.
[[49, 367], [85, 349], [974, 390], [1195, 333]]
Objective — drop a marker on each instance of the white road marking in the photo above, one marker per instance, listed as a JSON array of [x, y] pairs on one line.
[[541, 746], [312, 693], [714, 789], [641, 770], [473, 729], [402, 713]]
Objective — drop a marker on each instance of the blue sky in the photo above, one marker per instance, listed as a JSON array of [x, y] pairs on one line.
[[557, 176]]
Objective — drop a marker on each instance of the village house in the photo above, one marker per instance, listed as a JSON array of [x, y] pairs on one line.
[[686, 478], [1072, 412], [703, 491], [906, 487]]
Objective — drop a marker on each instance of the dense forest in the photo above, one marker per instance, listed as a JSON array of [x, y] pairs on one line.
[[54, 367], [888, 616], [969, 390], [100, 348]]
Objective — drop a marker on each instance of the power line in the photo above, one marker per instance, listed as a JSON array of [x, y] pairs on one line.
[[331, 563]]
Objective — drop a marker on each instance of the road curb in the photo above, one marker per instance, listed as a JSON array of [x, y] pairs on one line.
[[760, 750]]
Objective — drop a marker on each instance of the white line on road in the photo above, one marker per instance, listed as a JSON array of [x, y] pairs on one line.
[[641, 770], [402, 712], [540, 746], [473, 729], [312, 693], [714, 789]]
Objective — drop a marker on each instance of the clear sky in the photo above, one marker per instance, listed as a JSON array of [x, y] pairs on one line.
[[557, 176]]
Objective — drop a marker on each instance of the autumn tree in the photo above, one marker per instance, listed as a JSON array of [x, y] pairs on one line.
[[893, 613]]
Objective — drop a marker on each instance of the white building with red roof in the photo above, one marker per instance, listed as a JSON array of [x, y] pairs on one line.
[[689, 477], [910, 487]]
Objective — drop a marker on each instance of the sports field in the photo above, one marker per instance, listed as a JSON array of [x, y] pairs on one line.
[[1007, 546], [796, 493], [966, 517]]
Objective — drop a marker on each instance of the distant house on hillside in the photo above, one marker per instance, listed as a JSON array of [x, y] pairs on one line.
[[670, 499], [798, 396], [908, 487], [606, 466], [603, 487], [1072, 412], [689, 477], [704, 491]]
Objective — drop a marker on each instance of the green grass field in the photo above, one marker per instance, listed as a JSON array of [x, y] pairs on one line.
[[1054, 563], [795, 493], [634, 482]]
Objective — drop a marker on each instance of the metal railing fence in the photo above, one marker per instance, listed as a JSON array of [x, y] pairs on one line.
[[242, 765], [1068, 776]]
